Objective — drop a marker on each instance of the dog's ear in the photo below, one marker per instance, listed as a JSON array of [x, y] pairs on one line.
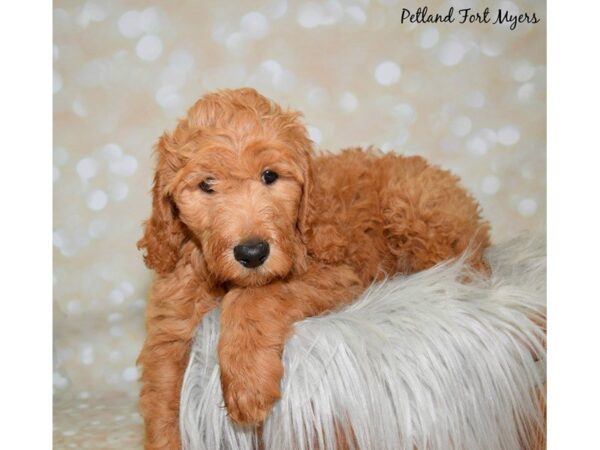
[[163, 232], [305, 148], [305, 202]]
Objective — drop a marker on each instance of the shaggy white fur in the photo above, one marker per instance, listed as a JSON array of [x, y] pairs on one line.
[[422, 361]]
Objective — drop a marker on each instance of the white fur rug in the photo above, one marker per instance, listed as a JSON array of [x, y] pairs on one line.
[[420, 362]]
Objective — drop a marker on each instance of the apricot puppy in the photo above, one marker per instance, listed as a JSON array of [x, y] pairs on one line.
[[244, 215]]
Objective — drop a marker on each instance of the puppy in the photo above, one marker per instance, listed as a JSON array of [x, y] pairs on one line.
[[243, 215]]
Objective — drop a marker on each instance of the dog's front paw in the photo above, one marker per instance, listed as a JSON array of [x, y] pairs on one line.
[[250, 393], [249, 405]]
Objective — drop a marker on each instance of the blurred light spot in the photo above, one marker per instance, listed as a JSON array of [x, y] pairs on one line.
[[527, 173], [509, 6], [315, 134], [356, 14], [492, 45], [81, 237], [348, 101], [97, 200], [130, 374], [255, 25], [60, 156], [401, 138], [527, 207], [405, 112], [55, 174], [285, 81], [112, 151], [526, 92], [317, 97], [93, 73], [489, 135], [97, 228], [461, 126], [168, 97], [310, 15], [139, 303], [386, 147], [87, 168], [151, 20], [111, 379], [182, 60], [116, 297], [124, 166], [273, 70], [74, 307], [452, 52], [328, 14], [475, 99], [129, 24], [173, 76], [276, 9], [61, 241], [87, 354], [450, 144], [116, 331], [412, 83], [220, 31], [235, 41], [114, 317], [59, 381], [387, 73], [126, 287], [490, 185], [523, 71], [271, 66], [56, 82], [508, 135], [92, 12], [477, 146], [149, 47], [119, 191], [79, 108], [55, 52], [428, 37]]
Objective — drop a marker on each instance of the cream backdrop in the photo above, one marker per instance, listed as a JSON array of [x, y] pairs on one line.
[[470, 97]]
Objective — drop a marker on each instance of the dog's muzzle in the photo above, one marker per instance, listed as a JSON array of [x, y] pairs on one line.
[[251, 253]]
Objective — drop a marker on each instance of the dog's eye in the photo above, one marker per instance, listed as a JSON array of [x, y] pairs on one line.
[[205, 186], [269, 177]]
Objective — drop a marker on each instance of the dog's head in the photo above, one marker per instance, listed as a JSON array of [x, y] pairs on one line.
[[233, 179]]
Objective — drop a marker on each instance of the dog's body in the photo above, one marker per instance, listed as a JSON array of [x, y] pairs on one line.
[[244, 214]]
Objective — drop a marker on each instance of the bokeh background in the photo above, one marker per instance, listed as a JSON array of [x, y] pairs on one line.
[[470, 97]]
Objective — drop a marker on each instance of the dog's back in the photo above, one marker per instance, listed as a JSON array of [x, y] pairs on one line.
[[387, 213]]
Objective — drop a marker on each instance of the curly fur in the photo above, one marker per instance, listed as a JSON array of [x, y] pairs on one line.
[[422, 362], [334, 223]]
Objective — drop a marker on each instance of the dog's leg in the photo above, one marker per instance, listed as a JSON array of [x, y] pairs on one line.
[[255, 323], [173, 313]]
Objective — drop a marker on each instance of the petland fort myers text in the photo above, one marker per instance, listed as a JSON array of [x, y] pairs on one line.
[[468, 15]]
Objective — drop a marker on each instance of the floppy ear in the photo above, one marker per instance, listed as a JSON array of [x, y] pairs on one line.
[[305, 201], [304, 148], [163, 232]]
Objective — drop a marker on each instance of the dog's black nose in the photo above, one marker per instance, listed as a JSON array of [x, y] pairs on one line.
[[251, 253]]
